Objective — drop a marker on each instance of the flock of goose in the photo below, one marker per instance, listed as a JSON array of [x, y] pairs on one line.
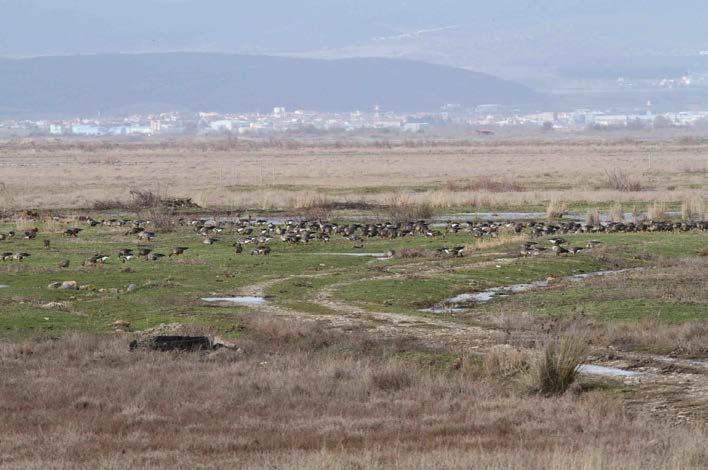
[[260, 232]]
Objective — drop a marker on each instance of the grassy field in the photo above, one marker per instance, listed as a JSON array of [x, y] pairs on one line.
[[489, 175], [344, 365]]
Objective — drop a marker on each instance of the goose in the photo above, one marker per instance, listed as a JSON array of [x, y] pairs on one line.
[[64, 263], [557, 241], [178, 250], [47, 244], [155, 256], [593, 243], [20, 256], [72, 232], [95, 259], [31, 234], [143, 251], [575, 249], [559, 250], [7, 256], [261, 250], [239, 248], [210, 241], [145, 235]]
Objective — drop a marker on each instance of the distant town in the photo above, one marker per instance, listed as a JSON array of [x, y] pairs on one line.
[[485, 119]]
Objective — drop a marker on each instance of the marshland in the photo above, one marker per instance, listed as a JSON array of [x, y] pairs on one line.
[[512, 303]]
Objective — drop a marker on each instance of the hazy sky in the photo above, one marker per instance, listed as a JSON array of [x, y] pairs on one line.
[[472, 30]]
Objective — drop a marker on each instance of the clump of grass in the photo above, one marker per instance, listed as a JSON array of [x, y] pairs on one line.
[[620, 180], [555, 368], [488, 243], [504, 361], [144, 199], [656, 211], [392, 378], [409, 253], [402, 208], [555, 209], [592, 217], [314, 206], [159, 219], [616, 213], [22, 223], [692, 208]]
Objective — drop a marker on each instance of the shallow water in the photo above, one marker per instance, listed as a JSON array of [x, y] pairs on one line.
[[363, 255], [453, 304], [238, 300], [504, 216], [590, 369]]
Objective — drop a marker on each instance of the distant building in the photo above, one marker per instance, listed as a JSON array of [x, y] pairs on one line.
[[85, 129]]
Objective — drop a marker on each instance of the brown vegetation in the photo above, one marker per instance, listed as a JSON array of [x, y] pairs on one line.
[[301, 397], [274, 175]]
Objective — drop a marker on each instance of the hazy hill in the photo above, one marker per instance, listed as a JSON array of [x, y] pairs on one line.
[[88, 84]]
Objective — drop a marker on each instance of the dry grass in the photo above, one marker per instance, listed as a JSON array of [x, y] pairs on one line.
[[503, 239], [656, 211], [401, 208], [270, 176], [593, 217], [556, 209], [693, 208], [485, 183], [504, 361], [309, 399], [620, 180], [554, 370], [616, 213]]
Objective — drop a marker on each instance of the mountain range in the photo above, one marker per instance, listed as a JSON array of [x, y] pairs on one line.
[[117, 83]]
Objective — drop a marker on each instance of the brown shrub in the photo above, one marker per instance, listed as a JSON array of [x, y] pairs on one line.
[[409, 253], [620, 180], [555, 368], [593, 217], [503, 361], [393, 378], [556, 209], [656, 211], [401, 208]]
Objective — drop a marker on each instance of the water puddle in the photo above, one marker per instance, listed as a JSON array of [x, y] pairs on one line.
[[497, 216], [508, 216], [363, 255], [456, 304], [3, 286], [590, 369], [237, 300]]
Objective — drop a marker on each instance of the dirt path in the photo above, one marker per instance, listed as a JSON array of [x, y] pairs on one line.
[[676, 389]]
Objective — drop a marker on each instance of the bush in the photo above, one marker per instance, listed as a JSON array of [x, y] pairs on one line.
[[656, 211], [692, 208], [392, 378], [401, 208], [593, 217], [555, 368], [503, 361], [555, 209], [621, 181], [616, 213]]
